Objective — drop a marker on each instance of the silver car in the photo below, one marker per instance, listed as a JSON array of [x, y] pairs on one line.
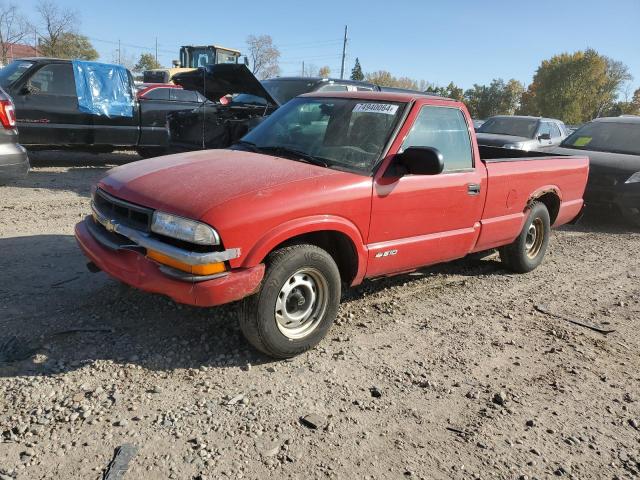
[[522, 133]]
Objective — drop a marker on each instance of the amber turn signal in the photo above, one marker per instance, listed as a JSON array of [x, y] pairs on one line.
[[205, 269]]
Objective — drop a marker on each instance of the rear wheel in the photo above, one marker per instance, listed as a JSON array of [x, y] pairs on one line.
[[527, 251], [297, 303]]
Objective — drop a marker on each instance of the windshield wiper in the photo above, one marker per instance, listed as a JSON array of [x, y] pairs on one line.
[[279, 150]]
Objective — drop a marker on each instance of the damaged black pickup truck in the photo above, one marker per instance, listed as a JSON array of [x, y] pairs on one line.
[[52, 111], [218, 125]]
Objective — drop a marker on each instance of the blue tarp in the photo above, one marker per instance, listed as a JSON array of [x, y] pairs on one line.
[[103, 89]]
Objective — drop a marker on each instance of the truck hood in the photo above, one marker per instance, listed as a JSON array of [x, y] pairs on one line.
[[498, 140], [216, 81], [190, 184]]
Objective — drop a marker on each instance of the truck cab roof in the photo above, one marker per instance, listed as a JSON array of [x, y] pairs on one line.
[[388, 96]]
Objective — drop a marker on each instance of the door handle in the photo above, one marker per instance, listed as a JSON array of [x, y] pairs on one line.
[[473, 188]]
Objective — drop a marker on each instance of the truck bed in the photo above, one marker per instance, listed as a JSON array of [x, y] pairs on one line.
[[498, 154], [514, 177]]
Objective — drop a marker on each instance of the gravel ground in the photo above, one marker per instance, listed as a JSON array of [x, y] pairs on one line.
[[449, 372]]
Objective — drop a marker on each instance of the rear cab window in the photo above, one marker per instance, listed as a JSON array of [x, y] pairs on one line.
[[179, 95], [159, 93], [445, 129]]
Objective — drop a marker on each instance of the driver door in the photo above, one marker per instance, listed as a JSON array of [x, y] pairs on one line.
[[418, 220], [47, 108]]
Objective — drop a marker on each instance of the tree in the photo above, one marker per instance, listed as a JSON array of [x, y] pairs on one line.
[[147, 61], [625, 107], [310, 70], [324, 72], [13, 29], [70, 45], [575, 87], [497, 98], [124, 58], [56, 24], [384, 78], [263, 56], [450, 91], [356, 73]]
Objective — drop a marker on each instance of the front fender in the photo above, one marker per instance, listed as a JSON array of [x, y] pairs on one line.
[[301, 226]]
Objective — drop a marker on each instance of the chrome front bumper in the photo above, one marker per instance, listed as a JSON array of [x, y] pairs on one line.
[[145, 240]]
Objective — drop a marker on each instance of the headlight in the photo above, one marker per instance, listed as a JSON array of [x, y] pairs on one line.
[[513, 146], [635, 178], [184, 229]]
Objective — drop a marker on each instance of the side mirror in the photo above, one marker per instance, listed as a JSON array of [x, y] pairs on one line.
[[544, 136], [420, 161]]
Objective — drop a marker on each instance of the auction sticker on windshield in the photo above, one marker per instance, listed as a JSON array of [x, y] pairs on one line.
[[385, 108]]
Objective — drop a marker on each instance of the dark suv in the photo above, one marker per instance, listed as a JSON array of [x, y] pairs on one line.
[[14, 162]]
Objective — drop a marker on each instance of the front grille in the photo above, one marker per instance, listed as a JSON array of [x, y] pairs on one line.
[[123, 212]]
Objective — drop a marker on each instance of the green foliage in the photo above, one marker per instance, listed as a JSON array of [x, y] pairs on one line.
[[497, 98], [68, 45], [384, 78], [356, 73], [450, 91], [575, 87], [146, 62], [631, 107]]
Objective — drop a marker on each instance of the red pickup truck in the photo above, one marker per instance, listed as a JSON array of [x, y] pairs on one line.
[[331, 189]]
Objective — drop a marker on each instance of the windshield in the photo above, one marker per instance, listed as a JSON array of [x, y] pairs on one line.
[[13, 72], [614, 137], [513, 126], [346, 134], [284, 90]]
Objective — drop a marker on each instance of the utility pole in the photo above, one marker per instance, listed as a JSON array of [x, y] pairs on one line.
[[303, 68], [118, 51], [35, 41], [344, 52], [156, 49]]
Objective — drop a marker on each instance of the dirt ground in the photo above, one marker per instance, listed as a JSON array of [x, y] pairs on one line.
[[449, 372]]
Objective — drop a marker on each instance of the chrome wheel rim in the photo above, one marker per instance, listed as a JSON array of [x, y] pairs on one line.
[[301, 303], [535, 238]]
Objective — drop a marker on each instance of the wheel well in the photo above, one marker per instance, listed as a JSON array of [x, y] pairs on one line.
[[551, 200], [337, 244]]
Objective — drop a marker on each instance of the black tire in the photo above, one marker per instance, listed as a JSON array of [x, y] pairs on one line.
[[527, 251], [297, 268], [150, 152]]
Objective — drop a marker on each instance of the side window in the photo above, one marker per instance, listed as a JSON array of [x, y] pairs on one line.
[[555, 131], [364, 89], [179, 95], [332, 87], [443, 128], [157, 94], [54, 79], [545, 127]]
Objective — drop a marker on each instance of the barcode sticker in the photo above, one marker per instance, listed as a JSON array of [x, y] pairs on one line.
[[384, 108]]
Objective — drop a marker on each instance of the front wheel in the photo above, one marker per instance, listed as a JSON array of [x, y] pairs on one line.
[[297, 303], [527, 251]]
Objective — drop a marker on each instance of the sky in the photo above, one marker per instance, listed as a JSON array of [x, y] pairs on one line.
[[463, 41]]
